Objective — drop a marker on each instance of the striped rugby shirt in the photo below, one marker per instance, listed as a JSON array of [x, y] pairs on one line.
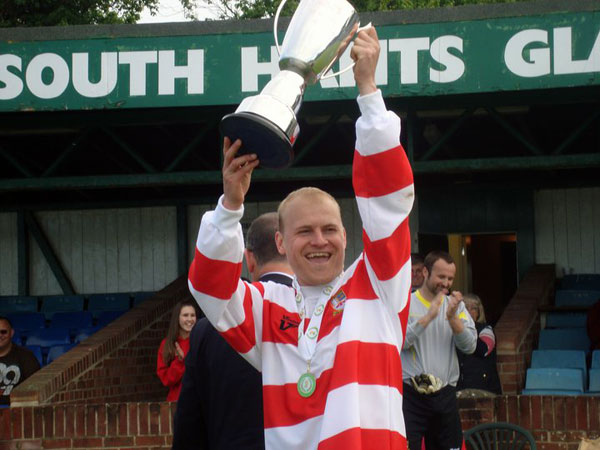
[[357, 403]]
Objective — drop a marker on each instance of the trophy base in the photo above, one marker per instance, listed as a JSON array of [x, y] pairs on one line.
[[260, 136]]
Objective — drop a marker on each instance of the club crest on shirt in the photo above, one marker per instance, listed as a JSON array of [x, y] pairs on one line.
[[338, 301]]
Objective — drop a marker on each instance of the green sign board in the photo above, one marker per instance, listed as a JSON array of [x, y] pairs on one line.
[[503, 54]]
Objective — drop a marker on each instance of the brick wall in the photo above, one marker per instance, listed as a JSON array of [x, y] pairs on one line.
[[557, 423], [519, 326], [116, 364], [112, 425], [126, 374]]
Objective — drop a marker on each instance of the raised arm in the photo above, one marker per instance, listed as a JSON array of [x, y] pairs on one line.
[[383, 183], [231, 305]]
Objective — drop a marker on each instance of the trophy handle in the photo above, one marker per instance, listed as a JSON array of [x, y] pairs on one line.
[[339, 72], [279, 8]]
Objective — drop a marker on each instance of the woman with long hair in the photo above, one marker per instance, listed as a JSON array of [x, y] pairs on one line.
[[170, 365]]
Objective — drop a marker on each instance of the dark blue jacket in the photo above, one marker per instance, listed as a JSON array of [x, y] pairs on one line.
[[220, 404]]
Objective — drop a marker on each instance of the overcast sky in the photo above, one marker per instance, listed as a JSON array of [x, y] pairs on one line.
[[170, 11]]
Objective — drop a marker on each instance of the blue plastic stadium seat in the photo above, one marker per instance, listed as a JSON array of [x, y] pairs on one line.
[[17, 304], [564, 339], [74, 320], [565, 319], [568, 359], [564, 297], [549, 381], [594, 380], [37, 351], [61, 303], [586, 281], [57, 350], [85, 333], [48, 337], [574, 359], [139, 297], [108, 302], [106, 317], [596, 359], [25, 322]]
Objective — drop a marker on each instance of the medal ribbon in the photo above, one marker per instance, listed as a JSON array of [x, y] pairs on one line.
[[307, 342]]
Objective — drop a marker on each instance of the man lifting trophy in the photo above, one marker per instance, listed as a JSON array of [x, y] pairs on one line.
[[266, 123]]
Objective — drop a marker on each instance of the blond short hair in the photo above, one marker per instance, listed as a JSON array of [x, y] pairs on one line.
[[475, 301], [307, 192]]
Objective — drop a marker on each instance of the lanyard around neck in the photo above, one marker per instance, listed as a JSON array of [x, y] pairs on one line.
[[307, 342]]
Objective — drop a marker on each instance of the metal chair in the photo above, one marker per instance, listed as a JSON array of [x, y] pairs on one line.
[[498, 436]]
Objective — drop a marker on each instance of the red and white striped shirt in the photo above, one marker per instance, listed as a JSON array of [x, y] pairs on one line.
[[357, 403]]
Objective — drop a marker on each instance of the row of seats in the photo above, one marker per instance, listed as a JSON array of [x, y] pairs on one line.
[[49, 305], [25, 322], [576, 297], [52, 325], [562, 372], [47, 344], [581, 281], [559, 365], [52, 353], [564, 339]]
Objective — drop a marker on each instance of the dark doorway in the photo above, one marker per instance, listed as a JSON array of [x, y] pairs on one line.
[[494, 275]]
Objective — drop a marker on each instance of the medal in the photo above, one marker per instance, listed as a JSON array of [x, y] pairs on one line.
[[307, 342], [306, 384]]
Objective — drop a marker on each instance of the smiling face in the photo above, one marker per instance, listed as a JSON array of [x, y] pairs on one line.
[[187, 319], [6, 334], [441, 277], [313, 238]]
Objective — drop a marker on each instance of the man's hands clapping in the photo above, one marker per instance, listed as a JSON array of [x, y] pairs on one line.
[[453, 301]]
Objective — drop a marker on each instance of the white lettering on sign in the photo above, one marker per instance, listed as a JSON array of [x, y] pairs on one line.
[[538, 63], [563, 54], [168, 72], [454, 66], [409, 49], [60, 75], [252, 68], [528, 54], [47, 75], [108, 75], [137, 62], [13, 85]]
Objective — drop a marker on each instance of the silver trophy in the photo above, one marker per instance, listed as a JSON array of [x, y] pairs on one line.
[[318, 34]]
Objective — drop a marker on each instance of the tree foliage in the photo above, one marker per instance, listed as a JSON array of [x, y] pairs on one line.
[[254, 9], [28, 13], [16, 13]]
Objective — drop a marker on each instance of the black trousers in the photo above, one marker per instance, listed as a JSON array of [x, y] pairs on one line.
[[433, 417]]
